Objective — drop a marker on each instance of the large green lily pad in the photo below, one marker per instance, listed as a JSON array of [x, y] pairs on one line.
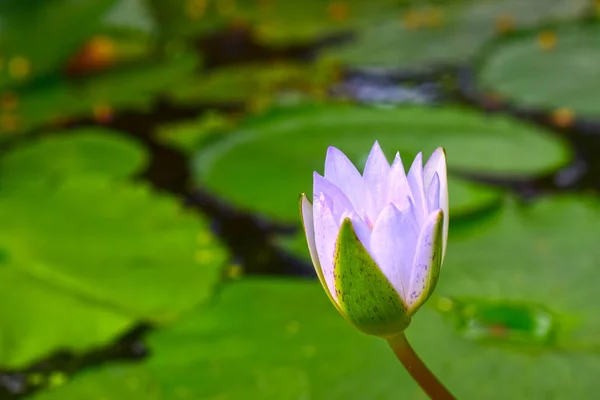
[[111, 253], [117, 243], [450, 32], [85, 255], [282, 339], [40, 317], [266, 164], [88, 150], [115, 382], [531, 76]]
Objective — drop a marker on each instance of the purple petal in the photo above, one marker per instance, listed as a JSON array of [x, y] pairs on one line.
[[340, 171], [398, 187], [375, 179], [326, 230], [309, 231], [340, 203], [423, 265], [393, 244], [363, 232], [437, 164], [433, 194], [415, 180]]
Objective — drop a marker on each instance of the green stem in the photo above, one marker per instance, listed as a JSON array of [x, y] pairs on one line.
[[418, 370]]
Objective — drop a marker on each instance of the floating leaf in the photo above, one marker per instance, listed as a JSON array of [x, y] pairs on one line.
[[266, 164], [81, 151], [525, 70], [84, 257], [449, 32]]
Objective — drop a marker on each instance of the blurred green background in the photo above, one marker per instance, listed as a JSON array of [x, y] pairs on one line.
[[151, 157]]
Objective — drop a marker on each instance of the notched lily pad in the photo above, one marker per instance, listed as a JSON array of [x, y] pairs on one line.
[[265, 164]]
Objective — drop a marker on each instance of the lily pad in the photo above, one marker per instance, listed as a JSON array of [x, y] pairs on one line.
[[44, 317], [447, 33], [117, 243], [38, 36], [187, 136], [266, 164], [89, 150], [83, 254], [538, 80], [282, 339], [115, 382], [99, 255], [133, 87]]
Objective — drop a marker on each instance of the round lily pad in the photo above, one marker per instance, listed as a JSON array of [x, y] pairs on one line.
[[450, 32], [527, 280], [90, 256], [266, 164], [532, 73], [85, 255], [97, 150]]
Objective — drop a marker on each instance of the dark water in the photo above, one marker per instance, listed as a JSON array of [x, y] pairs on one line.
[[249, 237]]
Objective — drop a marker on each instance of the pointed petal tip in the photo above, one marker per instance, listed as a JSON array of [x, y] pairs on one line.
[[440, 151], [332, 150]]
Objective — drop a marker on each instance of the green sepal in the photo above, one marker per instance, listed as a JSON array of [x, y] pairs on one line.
[[366, 297]]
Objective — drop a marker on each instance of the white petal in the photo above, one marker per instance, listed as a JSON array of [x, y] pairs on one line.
[[437, 164], [326, 231], [375, 179], [424, 259], [340, 203], [415, 180], [340, 171], [398, 188], [363, 232], [309, 231], [393, 244], [433, 194]]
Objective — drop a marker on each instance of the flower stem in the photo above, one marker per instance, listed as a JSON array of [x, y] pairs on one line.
[[418, 370]]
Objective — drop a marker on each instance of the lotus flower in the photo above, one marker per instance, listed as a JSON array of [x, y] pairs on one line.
[[377, 241]]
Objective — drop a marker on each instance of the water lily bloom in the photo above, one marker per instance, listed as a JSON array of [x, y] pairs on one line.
[[377, 240]]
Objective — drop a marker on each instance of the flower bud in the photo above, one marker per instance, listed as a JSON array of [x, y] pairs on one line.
[[377, 240]]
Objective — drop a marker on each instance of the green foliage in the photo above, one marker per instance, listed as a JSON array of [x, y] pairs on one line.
[[38, 35], [87, 251], [130, 88], [264, 165], [282, 339], [532, 73], [88, 150], [450, 32], [86, 255]]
